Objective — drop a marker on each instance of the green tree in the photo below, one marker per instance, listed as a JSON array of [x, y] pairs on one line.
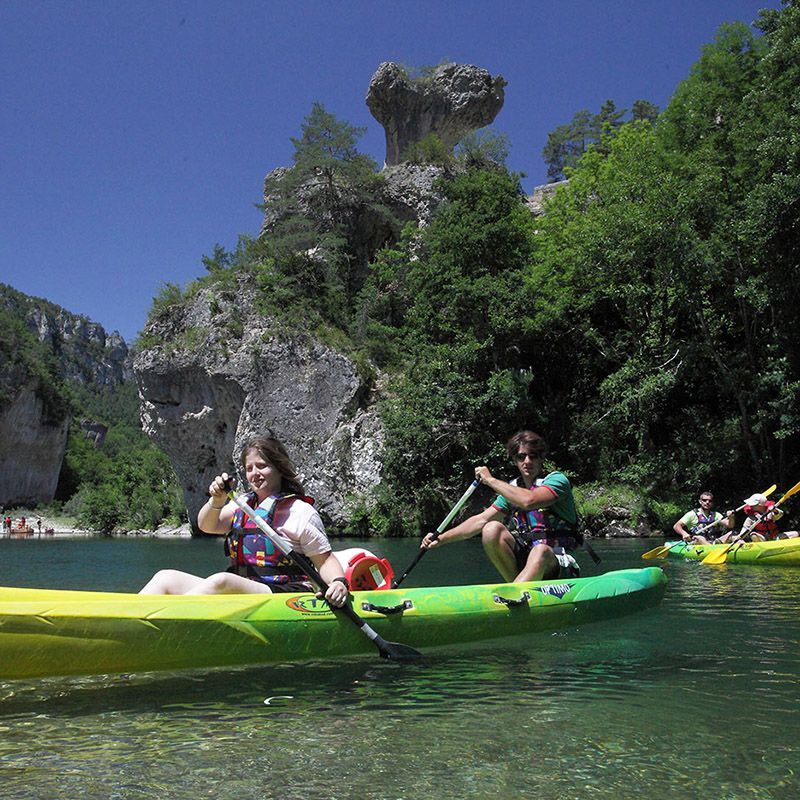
[[464, 374], [315, 209]]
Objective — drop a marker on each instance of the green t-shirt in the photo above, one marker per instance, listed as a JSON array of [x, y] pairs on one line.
[[690, 519], [564, 505]]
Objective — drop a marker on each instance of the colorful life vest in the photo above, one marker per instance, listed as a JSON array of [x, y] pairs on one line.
[[542, 525], [252, 553], [703, 519], [767, 526]]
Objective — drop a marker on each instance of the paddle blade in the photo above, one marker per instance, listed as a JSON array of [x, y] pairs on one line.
[[794, 490], [394, 651], [656, 552], [717, 556]]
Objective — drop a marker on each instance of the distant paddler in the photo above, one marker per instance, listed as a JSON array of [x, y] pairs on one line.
[[692, 526]]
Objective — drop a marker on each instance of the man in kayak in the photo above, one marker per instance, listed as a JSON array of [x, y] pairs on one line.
[[532, 523], [703, 516]]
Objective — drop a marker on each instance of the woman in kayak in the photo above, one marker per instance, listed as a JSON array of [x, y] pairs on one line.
[[532, 523], [761, 521], [257, 565]]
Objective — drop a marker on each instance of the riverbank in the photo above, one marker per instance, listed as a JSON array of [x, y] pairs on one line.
[[53, 526]]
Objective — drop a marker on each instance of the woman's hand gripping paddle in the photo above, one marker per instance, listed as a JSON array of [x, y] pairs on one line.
[[720, 556], [392, 650], [440, 530]]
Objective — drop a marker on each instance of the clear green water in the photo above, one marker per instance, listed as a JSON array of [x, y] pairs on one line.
[[697, 699]]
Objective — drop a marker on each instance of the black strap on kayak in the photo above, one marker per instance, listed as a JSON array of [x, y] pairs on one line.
[[387, 609], [522, 601]]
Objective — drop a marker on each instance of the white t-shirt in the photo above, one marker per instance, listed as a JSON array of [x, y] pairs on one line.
[[300, 523]]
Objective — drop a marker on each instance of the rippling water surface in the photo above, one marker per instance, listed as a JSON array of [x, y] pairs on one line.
[[696, 699]]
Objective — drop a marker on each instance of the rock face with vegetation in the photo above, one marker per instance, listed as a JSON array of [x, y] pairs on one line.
[[448, 102], [205, 391], [44, 348], [645, 323]]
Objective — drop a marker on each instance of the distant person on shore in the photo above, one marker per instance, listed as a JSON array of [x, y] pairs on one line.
[[761, 521], [691, 522], [529, 529], [257, 565]]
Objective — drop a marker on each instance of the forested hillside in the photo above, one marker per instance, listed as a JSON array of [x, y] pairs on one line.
[[645, 324]]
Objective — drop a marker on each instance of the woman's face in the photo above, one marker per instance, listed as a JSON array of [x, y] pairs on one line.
[[263, 478]]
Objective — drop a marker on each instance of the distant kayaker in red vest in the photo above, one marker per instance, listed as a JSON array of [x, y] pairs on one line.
[[257, 565], [691, 522], [532, 523], [761, 520]]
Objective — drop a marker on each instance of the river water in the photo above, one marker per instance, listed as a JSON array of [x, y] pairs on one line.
[[696, 699]]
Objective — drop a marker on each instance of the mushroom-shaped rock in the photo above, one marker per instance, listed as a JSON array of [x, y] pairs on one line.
[[450, 102]]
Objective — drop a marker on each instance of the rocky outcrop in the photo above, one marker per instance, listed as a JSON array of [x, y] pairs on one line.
[[200, 403], [51, 347], [537, 200], [453, 100], [410, 191], [32, 447], [83, 350]]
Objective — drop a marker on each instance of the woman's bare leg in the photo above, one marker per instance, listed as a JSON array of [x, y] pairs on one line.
[[228, 583], [170, 581]]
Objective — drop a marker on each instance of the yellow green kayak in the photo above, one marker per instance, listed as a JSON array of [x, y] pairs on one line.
[[54, 632], [780, 552]]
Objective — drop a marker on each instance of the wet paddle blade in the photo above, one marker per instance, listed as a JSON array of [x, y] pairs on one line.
[[394, 651]]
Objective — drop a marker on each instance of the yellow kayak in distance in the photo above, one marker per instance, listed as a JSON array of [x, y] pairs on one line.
[[779, 552]]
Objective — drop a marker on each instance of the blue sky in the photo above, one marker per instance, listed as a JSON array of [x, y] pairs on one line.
[[135, 135]]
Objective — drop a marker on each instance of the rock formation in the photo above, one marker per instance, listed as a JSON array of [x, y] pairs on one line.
[[34, 419], [31, 449], [453, 100], [208, 381], [200, 402]]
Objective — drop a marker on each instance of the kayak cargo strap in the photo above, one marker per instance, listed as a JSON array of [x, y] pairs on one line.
[[406, 604], [523, 601]]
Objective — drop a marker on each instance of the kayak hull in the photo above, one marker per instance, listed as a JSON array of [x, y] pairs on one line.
[[47, 632], [780, 552]]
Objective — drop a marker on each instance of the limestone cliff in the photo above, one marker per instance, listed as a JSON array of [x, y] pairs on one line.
[[31, 449], [45, 347], [201, 400]]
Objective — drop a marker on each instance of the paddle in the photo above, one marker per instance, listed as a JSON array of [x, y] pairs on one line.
[[661, 550], [719, 556], [392, 650], [440, 530]]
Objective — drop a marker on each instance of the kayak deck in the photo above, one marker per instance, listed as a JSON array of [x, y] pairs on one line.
[[779, 552], [46, 632]]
